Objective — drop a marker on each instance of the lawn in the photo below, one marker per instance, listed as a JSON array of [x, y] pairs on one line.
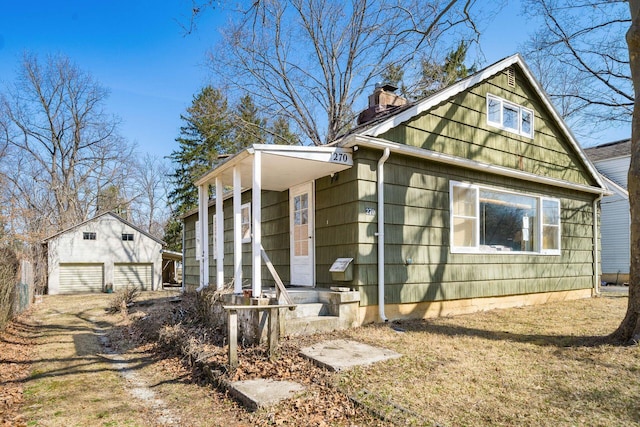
[[547, 365], [541, 366]]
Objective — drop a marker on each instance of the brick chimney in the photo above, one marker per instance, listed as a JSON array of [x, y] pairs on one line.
[[381, 101]]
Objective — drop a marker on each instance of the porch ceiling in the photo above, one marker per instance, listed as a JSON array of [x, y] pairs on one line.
[[282, 166]]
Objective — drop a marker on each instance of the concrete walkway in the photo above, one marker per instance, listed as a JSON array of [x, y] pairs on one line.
[[335, 355]]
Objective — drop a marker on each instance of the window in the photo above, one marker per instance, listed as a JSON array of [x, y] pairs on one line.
[[198, 241], [127, 237], [301, 224], [493, 220], [508, 116], [245, 214], [89, 235], [550, 225]]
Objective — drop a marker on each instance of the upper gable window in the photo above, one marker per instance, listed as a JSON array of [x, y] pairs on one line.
[[127, 237], [89, 235], [509, 116]]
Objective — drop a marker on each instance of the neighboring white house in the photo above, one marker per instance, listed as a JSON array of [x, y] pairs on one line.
[[102, 252], [612, 161]]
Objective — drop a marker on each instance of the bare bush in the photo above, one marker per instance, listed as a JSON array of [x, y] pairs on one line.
[[123, 299]]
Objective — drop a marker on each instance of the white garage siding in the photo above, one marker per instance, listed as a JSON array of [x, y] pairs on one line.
[[138, 275], [81, 278]]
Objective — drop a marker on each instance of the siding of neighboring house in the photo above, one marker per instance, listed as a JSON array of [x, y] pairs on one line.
[[79, 265], [615, 169], [615, 234], [612, 160]]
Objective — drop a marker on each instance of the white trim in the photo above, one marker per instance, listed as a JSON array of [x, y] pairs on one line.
[[558, 250], [237, 232], [477, 248], [508, 104], [256, 229], [245, 208], [367, 141], [203, 218], [218, 235]]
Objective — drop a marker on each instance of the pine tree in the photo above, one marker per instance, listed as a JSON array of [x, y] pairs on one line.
[[206, 134], [281, 133], [249, 126], [437, 76]]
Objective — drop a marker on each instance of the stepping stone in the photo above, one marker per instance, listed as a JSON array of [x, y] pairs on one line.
[[257, 393], [338, 355]]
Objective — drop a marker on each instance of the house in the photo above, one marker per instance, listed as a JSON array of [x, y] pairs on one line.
[[101, 253], [474, 198], [612, 160]]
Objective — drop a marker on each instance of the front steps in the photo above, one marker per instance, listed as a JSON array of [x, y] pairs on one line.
[[318, 310]]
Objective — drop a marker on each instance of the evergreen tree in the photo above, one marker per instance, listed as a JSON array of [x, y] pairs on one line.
[[437, 76], [249, 126], [281, 133], [206, 134]]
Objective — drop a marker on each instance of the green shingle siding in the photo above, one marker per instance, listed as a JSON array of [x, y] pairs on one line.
[[418, 263]]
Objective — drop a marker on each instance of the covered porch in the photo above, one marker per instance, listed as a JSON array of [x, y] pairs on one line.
[[260, 167]]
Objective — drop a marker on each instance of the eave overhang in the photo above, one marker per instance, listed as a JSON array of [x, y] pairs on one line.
[[352, 141], [283, 166]]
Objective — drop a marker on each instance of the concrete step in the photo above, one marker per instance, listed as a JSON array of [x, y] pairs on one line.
[[307, 310], [311, 324]]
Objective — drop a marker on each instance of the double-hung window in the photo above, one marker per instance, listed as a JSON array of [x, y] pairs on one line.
[[509, 116], [245, 215], [486, 220]]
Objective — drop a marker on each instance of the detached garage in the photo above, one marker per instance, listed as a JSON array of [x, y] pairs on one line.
[[104, 251]]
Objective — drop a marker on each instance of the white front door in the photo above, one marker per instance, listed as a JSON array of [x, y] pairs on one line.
[[302, 228]]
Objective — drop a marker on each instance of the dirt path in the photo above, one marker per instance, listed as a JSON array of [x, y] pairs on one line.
[[77, 378]]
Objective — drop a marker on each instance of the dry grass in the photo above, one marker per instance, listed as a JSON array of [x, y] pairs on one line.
[[539, 366], [535, 366]]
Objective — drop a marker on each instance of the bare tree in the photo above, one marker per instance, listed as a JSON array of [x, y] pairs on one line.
[[629, 329], [61, 146], [149, 208], [581, 57], [309, 61]]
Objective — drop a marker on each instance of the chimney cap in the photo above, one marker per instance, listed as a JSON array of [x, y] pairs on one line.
[[386, 86]]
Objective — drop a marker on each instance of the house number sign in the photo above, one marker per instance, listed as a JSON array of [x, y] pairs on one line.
[[340, 157]]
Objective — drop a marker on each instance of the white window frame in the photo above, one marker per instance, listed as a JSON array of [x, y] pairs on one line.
[[558, 226], [476, 249], [520, 110], [245, 222]]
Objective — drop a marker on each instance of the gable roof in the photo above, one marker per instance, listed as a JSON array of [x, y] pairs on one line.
[[610, 150], [124, 221], [371, 131]]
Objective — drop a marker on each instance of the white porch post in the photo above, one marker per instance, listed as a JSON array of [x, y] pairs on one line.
[[237, 232], [256, 204], [203, 217], [219, 235]]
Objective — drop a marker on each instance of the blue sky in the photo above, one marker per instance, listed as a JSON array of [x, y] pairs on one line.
[[138, 50]]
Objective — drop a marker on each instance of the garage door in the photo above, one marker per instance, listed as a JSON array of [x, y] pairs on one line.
[[81, 278], [138, 275]]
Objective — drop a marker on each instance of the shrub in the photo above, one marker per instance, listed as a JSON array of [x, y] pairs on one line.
[[123, 299], [8, 280]]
